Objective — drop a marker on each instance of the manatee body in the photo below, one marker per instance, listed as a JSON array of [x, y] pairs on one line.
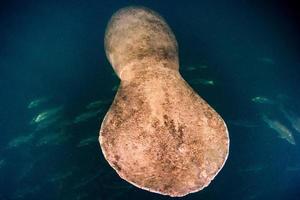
[[158, 134]]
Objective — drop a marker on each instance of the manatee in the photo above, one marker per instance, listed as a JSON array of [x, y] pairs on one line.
[[158, 134]]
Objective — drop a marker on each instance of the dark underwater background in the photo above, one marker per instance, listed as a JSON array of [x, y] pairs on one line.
[[241, 56]]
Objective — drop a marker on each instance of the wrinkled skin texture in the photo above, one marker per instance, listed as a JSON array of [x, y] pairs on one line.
[[158, 134]]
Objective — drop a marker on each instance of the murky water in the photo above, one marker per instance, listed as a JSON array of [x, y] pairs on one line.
[[56, 85]]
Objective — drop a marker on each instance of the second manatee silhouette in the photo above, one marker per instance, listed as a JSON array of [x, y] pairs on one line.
[[158, 134]]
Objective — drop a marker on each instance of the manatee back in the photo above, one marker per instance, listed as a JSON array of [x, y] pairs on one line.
[[137, 34]]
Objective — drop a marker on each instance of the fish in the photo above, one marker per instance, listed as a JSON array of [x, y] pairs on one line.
[[87, 141], [202, 66], [202, 82], [243, 123], [2, 163], [36, 102], [53, 139], [47, 123], [60, 176], [293, 168], [23, 139], [253, 168], [292, 117], [46, 118], [45, 115], [267, 60], [86, 180], [283, 131], [96, 104], [25, 191], [262, 100], [85, 116], [82, 196], [193, 67]]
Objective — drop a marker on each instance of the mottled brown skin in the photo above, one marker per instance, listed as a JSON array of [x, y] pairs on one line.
[[158, 134]]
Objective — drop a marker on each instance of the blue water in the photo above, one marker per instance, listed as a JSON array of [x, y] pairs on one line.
[[53, 52]]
